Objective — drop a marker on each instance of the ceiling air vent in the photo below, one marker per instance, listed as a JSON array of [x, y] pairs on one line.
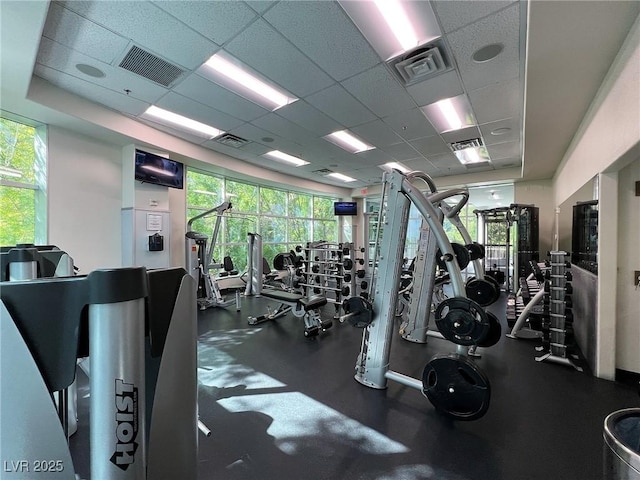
[[149, 66], [474, 142], [323, 171], [231, 140], [422, 63]]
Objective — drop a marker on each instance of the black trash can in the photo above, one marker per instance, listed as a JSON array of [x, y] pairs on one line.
[[622, 445]]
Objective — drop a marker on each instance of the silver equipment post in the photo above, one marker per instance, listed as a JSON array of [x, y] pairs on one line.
[[373, 361], [254, 247], [117, 383]]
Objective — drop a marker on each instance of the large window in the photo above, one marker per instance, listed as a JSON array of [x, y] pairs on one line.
[[284, 219], [22, 182]]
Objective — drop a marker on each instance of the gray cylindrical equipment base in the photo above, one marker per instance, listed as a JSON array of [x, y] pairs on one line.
[[622, 445], [23, 271], [117, 416]]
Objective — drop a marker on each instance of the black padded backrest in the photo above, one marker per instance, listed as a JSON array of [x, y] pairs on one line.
[[265, 267], [227, 264]]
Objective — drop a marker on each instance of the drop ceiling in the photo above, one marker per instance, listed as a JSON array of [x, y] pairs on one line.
[[316, 51]]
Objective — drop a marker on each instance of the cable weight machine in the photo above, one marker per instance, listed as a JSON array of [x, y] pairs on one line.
[[453, 383]]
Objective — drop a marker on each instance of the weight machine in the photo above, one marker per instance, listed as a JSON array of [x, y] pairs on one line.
[[199, 260], [453, 383]]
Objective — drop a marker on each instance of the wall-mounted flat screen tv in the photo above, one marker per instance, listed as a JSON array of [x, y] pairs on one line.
[[345, 208], [151, 168]]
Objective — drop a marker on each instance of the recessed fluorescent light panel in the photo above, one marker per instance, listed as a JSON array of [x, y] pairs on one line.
[[232, 75], [393, 27], [178, 121], [348, 141], [339, 176], [390, 166], [472, 155], [282, 157], [450, 114]]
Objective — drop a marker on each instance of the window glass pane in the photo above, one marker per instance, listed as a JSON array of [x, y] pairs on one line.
[[17, 220], [243, 196], [273, 229], [323, 207], [204, 190], [299, 230], [238, 254], [273, 202], [300, 205], [17, 151], [237, 228], [325, 230]]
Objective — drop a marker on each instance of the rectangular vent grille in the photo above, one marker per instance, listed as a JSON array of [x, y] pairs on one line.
[[149, 66], [231, 140], [421, 63], [323, 171], [474, 142]]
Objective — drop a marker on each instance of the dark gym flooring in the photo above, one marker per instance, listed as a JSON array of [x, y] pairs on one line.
[[281, 406]]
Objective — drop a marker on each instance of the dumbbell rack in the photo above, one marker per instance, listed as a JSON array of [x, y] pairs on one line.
[[560, 330], [327, 271]]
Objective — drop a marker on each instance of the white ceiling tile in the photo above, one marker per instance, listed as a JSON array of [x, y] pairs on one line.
[[197, 111], [303, 114], [274, 123], [323, 32], [443, 161], [502, 135], [506, 162], [367, 175], [456, 14], [504, 150], [338, 104], [256, 148], [401, 151], [502, 27], [63, 59], [410, 124], [260, 6], [149, 27], [114, 100], [429, 146], [376, 156], [497, 102], [377, 133], [380, 91], [268, 52], [255, 134], [218, 21], [88, 38], [445, 85], [421, 165], [202, 90]]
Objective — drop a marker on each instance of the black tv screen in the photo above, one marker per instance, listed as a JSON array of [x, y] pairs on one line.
[[151, 168], [345, 208]]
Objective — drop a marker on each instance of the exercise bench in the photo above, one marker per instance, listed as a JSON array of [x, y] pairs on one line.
[[300, 306]]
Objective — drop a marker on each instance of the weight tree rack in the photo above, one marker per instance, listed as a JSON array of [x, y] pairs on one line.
[[559, 333], [453, 383]]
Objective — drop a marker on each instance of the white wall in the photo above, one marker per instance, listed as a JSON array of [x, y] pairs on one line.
[[607, 141], [84, 190], [628, 297]]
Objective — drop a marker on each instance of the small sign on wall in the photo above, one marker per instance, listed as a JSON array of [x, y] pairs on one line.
[[154, 222]]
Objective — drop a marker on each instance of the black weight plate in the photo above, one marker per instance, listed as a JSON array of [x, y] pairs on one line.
[[495, 332], [481, 291], [476, 251], [456, 387], [491, 279], [462, 321], [459, 251]]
